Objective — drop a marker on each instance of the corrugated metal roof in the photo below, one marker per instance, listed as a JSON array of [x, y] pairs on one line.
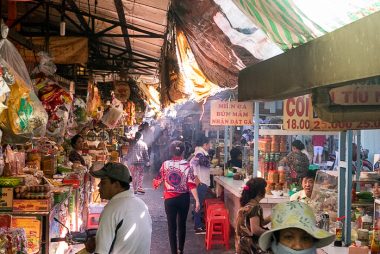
[[146, 26]]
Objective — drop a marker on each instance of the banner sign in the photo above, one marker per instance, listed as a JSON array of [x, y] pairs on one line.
[[355, 95], [63, 50], [299, 115], [296, 113], [231, 113]]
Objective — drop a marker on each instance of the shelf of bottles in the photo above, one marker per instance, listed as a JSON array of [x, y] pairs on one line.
[[271, 150]]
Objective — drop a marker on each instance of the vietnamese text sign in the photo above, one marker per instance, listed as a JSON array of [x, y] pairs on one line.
[[299, 115], [296, 113], [231, 113], [355, 95]]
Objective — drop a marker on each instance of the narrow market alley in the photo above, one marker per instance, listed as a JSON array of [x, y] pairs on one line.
[[160, 240]]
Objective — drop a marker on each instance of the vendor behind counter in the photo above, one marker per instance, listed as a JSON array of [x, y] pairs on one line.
[[77, 145], [304, 195], [236, 156]]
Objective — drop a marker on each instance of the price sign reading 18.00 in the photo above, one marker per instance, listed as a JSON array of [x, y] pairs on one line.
[[296, 113]]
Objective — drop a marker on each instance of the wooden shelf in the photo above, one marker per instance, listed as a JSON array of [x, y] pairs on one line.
[[366, 181], [362, 204]]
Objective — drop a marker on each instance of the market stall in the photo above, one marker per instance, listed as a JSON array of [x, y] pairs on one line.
[[230, 190]]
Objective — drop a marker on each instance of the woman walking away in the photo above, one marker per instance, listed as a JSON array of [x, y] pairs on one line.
[[179, 179], [250, 221], [294, 231]]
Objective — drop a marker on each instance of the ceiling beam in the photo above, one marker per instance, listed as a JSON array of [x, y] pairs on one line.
[[26, 14], [60, 9], [23, 41], [117, 69], [133, 52], [107, 29], [129, 35], [79, 15], [79, 33], [121, 58], [123, 24], [77, 11], [73, 22]]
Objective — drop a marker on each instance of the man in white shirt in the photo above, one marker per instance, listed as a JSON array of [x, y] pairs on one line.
[[304, 195], [201, 165], [125, 224]]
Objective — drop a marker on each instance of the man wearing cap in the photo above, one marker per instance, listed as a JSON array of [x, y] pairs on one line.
[[125, 224]]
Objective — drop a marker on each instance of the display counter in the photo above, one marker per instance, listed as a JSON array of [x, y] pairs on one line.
[[230, 190], [40, 226], [336, 250]]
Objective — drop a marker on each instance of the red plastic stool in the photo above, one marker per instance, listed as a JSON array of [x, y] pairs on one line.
[[218, 228], [209, 202], [212, 207]]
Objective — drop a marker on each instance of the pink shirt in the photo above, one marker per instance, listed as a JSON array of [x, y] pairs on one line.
[[319, 140]]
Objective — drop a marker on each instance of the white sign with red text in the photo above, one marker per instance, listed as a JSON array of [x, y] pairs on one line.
[[299, 115], [231, 113], [296, 113], [355, 95]]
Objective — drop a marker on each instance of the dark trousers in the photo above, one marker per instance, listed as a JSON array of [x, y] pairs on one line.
[[202, 190], [176, 212]]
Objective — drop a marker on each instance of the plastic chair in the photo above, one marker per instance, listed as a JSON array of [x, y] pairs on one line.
[[218, 228], [209, 202]]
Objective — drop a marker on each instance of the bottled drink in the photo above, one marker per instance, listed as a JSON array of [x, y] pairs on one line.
[[339, 232], [375, 245]]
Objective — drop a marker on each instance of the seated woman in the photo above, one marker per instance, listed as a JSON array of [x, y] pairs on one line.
[[250, 222], [236, 158], [294, 231]]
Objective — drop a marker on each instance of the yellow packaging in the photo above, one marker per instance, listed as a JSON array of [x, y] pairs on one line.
[[32, 227], [6, 198]]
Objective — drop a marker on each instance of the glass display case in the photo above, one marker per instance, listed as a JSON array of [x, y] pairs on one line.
[[324, 199], [376, 213]]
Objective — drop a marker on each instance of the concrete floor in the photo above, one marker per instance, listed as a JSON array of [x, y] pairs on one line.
[[160, 241]]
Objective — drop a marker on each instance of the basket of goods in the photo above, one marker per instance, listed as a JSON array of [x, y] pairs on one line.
[[32, 192]]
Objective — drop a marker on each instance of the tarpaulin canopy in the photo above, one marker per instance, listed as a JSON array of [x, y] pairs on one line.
[[221, 38], [290, 23], [331, 59]]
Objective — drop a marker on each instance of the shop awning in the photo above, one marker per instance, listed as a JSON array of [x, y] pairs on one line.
[[349, 53]]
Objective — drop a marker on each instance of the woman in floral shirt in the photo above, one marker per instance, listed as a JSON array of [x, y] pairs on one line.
[[250, 221], [297, 161]]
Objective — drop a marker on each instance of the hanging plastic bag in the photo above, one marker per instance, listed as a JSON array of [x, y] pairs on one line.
[[10, 54], [25, 116], [46, 65], [112, 117]]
